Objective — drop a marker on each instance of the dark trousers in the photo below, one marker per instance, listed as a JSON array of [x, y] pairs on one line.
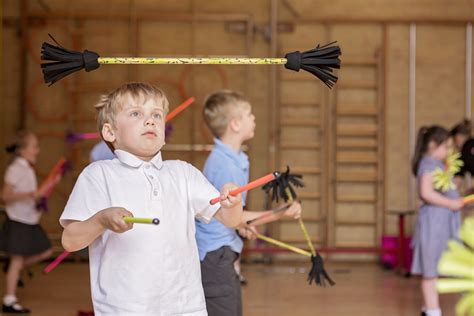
[[221, 284]]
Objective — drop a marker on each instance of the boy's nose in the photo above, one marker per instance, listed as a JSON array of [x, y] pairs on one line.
[[149, 121]]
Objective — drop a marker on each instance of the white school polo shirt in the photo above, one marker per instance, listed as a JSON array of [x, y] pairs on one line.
[[148, 270], [21, 177]]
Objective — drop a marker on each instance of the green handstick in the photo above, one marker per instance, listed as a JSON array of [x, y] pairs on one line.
[[140, 220]]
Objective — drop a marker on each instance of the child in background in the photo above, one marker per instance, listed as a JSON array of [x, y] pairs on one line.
[[101, 151], [460, 133], [438, 218], [23, 238], [463, 143], [229, 117]]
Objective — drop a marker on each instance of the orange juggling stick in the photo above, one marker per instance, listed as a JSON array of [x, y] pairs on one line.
[[53, 173], [261, 181], [468, 199], [179, 109]]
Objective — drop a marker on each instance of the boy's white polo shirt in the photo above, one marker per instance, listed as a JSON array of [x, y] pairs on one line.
[[149, 270]]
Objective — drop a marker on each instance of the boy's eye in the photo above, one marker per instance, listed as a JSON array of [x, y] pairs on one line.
[[157, 116], [135, 114]]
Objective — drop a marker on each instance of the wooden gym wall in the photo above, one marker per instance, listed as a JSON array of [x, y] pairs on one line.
[[351, 143]]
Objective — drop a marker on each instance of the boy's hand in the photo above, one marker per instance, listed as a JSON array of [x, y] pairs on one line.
[[112, 219], [294, 211], [248, 232], [227, 200]]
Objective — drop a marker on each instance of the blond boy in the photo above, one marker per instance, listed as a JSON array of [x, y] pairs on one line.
[[142, 269], [229, 117]]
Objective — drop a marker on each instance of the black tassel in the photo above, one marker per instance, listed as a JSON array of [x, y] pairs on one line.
[[317, 274], [285, 180], [319, 61], [65, 62]]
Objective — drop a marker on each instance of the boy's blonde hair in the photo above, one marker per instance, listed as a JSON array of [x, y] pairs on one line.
[[112, 103], [220, 108]]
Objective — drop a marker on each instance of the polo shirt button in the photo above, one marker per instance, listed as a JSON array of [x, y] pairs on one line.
[[155, 193]]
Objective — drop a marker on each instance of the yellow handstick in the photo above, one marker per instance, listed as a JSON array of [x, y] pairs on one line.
[[139, 220], [319, 61], [194, 60], [302, 226], [283, 245], [306, 236]]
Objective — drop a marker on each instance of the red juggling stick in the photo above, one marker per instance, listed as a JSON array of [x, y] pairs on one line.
[[55, 171], [55, 262], [89, 135], [179, 109], [261, 181], [48, 184]]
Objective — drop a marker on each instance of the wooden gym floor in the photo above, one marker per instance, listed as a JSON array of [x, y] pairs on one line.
[[273, 290]]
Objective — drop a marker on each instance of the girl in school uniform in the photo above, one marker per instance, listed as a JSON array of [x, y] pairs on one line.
[[438, 218], [23, 239]]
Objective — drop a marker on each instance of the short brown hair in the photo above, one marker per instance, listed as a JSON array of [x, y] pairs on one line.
[[463, 128], [112, 103], [218, 110], [18, 141]]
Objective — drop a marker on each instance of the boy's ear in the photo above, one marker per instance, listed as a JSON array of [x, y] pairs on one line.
[[234, 125], [108, 133]]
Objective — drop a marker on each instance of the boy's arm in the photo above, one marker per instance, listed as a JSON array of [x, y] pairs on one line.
[[250, 231], [10, 196], [230, 212], [80, 234], [293, 211], [269, 216]]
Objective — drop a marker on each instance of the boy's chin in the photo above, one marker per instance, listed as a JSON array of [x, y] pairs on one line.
[[249, 137], [147, 152]]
